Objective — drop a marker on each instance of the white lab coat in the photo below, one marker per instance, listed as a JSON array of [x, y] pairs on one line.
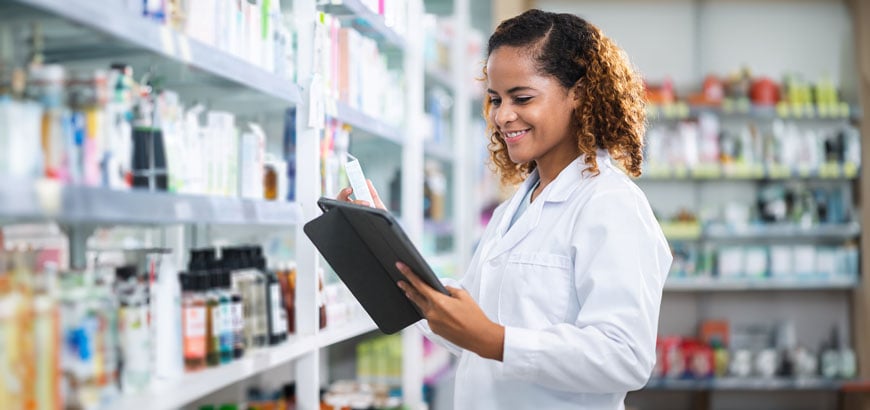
[[577, 283]]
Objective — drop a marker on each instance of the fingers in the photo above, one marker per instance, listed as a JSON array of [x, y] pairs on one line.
[[457, 292], [344, 194], [361, 202], [415, 297], [415, 281], [375, 197]]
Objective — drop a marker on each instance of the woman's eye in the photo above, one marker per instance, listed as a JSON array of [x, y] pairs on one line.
[[495, 101], [522, 100]]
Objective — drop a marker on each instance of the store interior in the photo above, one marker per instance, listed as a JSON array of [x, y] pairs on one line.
[[160, 158]]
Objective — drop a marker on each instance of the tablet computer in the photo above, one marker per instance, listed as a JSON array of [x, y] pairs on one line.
[[362, 245]]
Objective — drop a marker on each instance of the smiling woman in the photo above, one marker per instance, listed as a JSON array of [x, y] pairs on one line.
[[560, 303]]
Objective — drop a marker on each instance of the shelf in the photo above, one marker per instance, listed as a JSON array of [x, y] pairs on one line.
[[822, 231], [749, 384], [830, 171], [437, 76], [682, 111], [27, 200], [707, 284], [365, 124], [364, 20], [145, 35], [192, 386], [438, 151], [353, 328]]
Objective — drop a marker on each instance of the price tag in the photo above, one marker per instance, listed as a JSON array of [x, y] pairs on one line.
[[829, 170], [757, 170], [707, 171], [850, 170], [779, 172], [803, 170], [680, 172], [741, 171]]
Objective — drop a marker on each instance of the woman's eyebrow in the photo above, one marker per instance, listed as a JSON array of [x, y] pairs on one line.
[[512, 90]]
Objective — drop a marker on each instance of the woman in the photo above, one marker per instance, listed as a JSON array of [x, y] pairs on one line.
[[560, 304]]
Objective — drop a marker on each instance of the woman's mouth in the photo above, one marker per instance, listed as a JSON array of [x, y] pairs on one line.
[[514, 136]]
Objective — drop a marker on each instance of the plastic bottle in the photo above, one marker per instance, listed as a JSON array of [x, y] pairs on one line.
[[287, 279], [277, 313], [213, 320], [236, 287], [193, 323], [260, 302], [166, 319], [225, 326]]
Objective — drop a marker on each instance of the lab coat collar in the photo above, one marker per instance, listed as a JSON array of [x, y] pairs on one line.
[[557, 191]]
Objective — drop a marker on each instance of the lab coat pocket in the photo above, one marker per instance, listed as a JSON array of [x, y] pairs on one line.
[[535, 290]]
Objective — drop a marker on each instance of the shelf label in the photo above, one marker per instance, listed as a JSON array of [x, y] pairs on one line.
[[707, 171], [803, 170], [779, 171], [680, 172], [740, 171], [829, 170], [850, 170]]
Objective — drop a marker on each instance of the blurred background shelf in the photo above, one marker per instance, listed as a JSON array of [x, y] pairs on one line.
[[192, 386], [749, 384], [682, 111], [366, 126], [829, 171], [41, 200], [691, 231], [364, 20], [87, 30], [708, 284]]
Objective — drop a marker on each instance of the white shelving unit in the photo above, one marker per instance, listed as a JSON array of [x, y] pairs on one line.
[[25, 201], [195, 385], [118, 24], [707, 284]]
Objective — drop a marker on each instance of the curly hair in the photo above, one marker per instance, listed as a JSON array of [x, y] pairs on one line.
[[610, 107]]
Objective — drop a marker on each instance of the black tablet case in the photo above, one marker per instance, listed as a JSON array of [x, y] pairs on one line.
[[362, 245]]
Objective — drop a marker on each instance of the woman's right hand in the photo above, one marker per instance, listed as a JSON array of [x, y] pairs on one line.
[[344, 195]]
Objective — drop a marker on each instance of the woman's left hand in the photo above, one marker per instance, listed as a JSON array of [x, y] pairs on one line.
[[456, 317]]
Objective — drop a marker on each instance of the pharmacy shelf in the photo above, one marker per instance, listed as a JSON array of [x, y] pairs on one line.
[[822, 231], [686, 231], [438, 151], [679, 112], [830, 171], [356, 327], [116, 21], [192, 386], [708, 284], [365, 124], [364, 20], [27, 200], [745, 384], [437, 76]]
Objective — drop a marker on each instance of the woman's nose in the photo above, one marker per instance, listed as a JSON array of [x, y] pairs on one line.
[[504, 115]]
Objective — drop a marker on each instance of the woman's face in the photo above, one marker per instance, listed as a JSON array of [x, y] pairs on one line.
[[532, 112]]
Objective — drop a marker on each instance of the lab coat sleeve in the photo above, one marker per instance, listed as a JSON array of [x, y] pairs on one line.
[[423, 326], [621, 260]]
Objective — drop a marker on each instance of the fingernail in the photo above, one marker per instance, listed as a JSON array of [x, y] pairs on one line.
[[401, 285], [399, 265]]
